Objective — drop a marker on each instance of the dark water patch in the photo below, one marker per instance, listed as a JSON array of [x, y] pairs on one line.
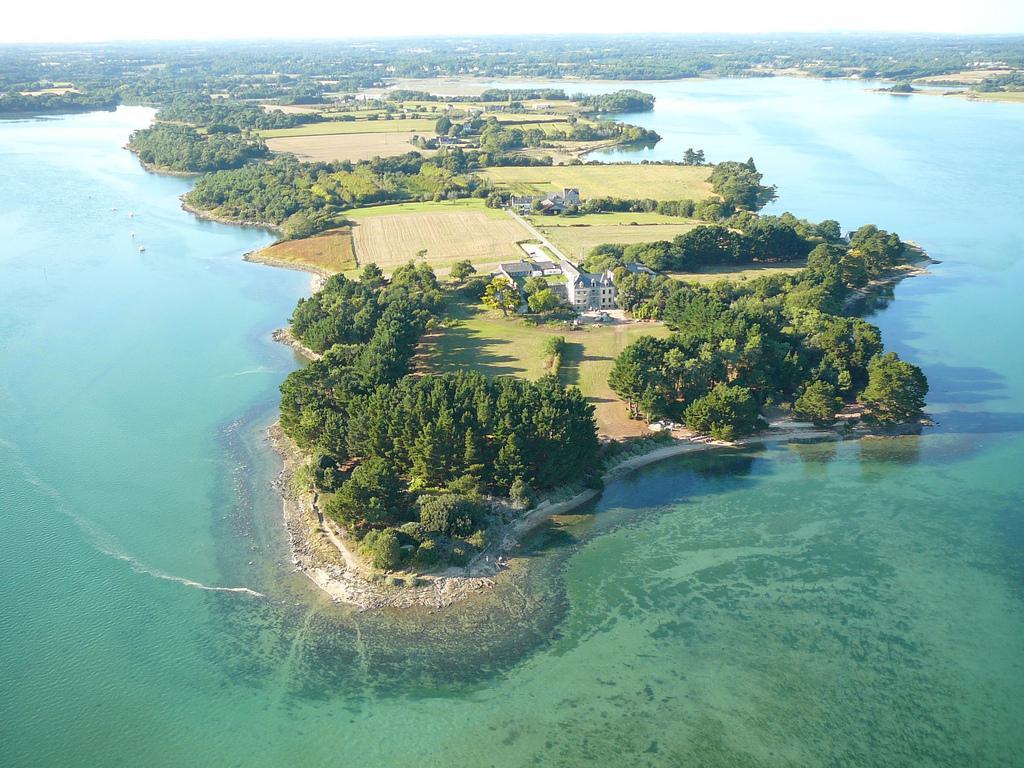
[[964, 385]]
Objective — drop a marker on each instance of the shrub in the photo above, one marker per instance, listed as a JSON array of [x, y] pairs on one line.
[[427, 553], [382, 549], [449, 514], [521, 493]]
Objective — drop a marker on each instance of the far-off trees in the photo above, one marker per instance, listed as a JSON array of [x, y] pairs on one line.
[[693, 156]]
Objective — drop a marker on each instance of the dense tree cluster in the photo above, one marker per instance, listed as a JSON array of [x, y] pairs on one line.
[[629, 100], [14, 103], [310, 197], [222, 115], [739, 185], [494, 138], [837, 267], [316, 399], [737, 348], [168, 146], [431, 447], [769, 240], [428, 448], [523, 94]]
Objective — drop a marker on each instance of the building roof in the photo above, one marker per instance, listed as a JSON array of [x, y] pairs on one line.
[[516, 266]]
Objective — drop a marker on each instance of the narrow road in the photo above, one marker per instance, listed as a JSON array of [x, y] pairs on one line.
[[535, 233]]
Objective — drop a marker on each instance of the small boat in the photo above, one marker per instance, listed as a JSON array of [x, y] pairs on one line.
[[113, 209], [133, 235], [131, 214], [142, 249]]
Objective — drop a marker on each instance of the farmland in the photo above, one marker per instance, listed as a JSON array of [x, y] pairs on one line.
[[448, 232], [577, 241], [410, 125], [498, 346], [347, 146], [326, 253], [660, 182]]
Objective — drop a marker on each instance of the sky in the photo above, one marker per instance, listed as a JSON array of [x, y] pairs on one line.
[[103, 20]]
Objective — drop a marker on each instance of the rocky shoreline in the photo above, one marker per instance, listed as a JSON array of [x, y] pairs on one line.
[[320, 551]]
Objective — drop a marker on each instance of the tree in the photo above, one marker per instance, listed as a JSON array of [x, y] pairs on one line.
[[450, 514], [636, 370], [534, 284], [443, 125], [373, 496], [461, 270], [502, 294], [693, 157], [521, 493], [725, 412], [543, 301], [371, 276], [896, 390], [509, 466], [818, 403], [383, 549]]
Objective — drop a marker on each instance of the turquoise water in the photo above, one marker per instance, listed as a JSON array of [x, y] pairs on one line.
[[856, 604]]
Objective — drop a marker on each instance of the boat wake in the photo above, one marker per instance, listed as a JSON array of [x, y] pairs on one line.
[[140, 568], [101, 540], [250, 371]]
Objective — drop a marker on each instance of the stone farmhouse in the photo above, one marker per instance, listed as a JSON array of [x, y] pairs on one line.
[[553, 203], [593, 290]]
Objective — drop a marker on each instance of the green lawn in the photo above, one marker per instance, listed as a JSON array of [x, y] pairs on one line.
[[498, 346], [1008, 96], [737, 274], [352, 126], [577, 242], [628, 180]]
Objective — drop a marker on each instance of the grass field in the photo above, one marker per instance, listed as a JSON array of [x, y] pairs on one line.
[[326, 253], [353, 126], [737, 274], [347, 146], [967, 77], [1008, 96], [448, 231], [499, 346], [577, 242], [660, 182]]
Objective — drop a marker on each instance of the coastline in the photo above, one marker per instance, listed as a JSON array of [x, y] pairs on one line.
[[320, 552], [199, 213], [319, 548]]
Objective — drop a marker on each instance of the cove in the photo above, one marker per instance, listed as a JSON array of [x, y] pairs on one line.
[[854, 603]]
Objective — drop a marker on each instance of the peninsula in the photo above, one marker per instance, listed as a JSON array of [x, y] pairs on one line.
[[500, 325], [496, 334]]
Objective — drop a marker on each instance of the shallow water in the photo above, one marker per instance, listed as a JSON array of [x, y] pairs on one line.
[[854, 604]]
